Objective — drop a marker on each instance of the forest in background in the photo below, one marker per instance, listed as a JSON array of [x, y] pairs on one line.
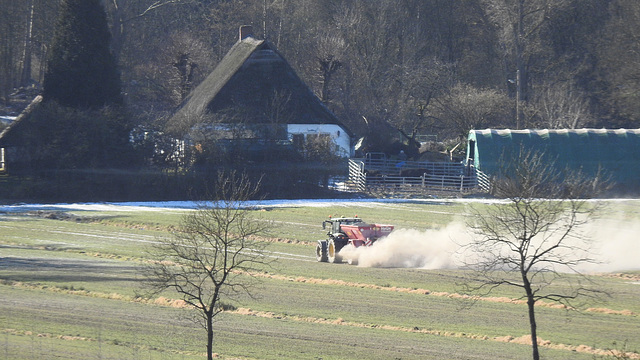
[[425, 66]]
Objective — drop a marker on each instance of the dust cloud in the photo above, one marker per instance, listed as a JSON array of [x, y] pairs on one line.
[[410, 248], [615, 245]]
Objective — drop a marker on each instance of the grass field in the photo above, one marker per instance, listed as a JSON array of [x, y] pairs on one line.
[[70, 288]]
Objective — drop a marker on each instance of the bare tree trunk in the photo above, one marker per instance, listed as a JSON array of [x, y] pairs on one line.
[[282, 14], [117, 30], [210, 335], [532, 317], [520, 68], [44, 50], [26, 58], [328, 67], [534, 335], [7, 30]]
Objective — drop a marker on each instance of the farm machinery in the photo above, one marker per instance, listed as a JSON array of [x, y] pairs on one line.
[[346, 231]]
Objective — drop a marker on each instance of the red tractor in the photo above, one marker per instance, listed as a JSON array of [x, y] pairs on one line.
[[348, 231]]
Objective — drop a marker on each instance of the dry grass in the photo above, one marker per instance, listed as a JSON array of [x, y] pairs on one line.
[[175, 303], [625, 276], [522, 340], [612, 312], [504, 300]]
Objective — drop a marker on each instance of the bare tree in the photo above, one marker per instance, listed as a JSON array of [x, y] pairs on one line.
[[214, 252], [464, 107], [619, 60], [520, 26], [330, 53], [10, 49], [124, 13], [536, 239], [28, 40], [184, 62], [561, 105], [415, 87]]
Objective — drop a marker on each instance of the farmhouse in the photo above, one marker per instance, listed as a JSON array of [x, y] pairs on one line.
[[255, 96], [14, 137], [616, 152]]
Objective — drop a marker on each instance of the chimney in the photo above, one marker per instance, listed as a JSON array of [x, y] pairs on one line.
[[246, 31]]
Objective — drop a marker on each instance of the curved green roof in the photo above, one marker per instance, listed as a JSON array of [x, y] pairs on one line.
[[615, 151]]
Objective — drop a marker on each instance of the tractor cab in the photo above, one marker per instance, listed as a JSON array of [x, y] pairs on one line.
[[335, 224]]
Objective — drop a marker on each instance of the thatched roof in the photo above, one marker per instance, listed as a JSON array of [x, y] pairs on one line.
[[256, 84]]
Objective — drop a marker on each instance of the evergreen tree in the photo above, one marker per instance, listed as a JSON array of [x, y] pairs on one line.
[[81, 70]]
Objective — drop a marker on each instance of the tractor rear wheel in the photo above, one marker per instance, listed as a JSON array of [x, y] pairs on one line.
[[332, 252], [321, 251]]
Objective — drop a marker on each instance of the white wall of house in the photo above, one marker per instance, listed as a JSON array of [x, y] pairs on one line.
[[2, 167], [337, 133]]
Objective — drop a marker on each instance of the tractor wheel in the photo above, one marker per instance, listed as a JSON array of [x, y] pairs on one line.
[[332, 252], [352, 261], [321, 251]]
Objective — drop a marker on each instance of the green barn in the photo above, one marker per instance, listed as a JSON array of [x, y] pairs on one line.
[[617, 152]]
